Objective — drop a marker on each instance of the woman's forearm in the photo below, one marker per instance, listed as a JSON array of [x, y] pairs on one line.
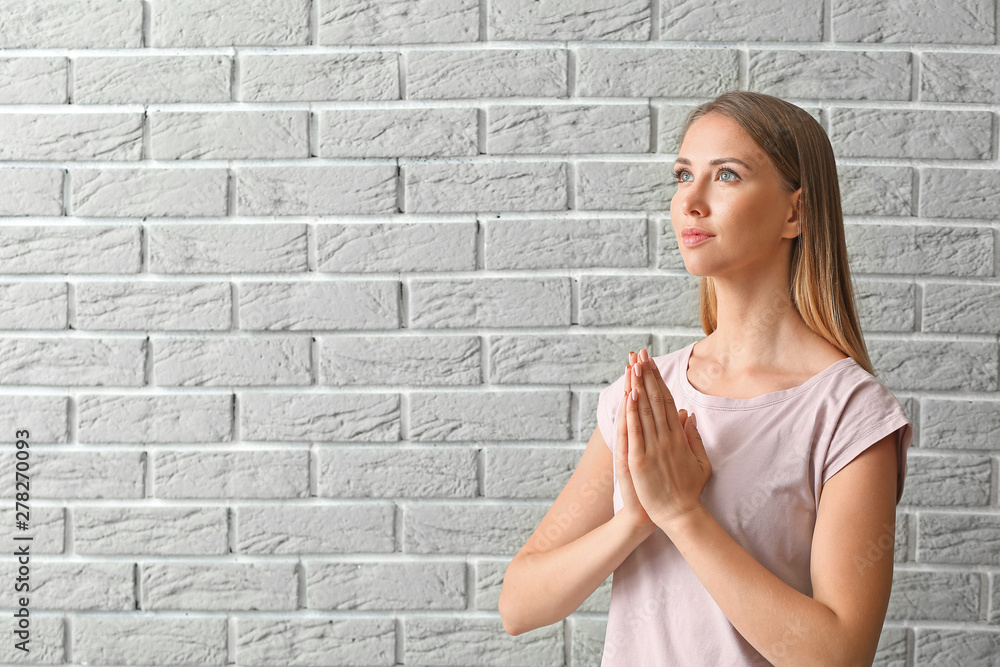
[[545, 587]]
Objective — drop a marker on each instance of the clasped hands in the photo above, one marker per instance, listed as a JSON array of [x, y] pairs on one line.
[[660, 458]]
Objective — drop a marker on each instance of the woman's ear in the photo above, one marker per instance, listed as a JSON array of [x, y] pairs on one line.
[[796, 205], [794, 221]]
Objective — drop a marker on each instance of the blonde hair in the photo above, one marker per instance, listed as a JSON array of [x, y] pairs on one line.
[[820, 285]]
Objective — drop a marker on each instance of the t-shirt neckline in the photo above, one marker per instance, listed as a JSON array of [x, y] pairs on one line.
[[709, 400]]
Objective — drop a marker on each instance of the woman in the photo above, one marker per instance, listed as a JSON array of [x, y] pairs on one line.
[[743, 488]]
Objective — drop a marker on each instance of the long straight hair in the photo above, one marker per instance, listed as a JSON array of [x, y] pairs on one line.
[[820, 277]]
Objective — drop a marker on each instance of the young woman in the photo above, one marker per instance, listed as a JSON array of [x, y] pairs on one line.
[[743, 488]]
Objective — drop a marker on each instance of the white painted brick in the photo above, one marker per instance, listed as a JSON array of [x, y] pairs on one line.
[[855, 75], [402, 360], [32, 80], [71, 249], [389, 472], [947, 481], [586, 638], [214, 361], [145, 530], [398, 132], [670, 120], [524, 472], [303, 529], [287, 306], [189, 473], [961, 308], [31, 191], [875, 190], [398, 21], [935, 365], [340, 76], [885, 306], [73, 361], [557, 244], [969, 538], [73, 475], [639, 301], [46, 647], [534, 359], [558, 129], [452, 416], [149, 79], [191, 135], [107, 418], [66, 136], [632, 186], [923, 249], [46, 526], [385, 585], [467, 641], [958, 646], [960, 77], [149, 192], [219, 586], [957, 135], [654, 72], [960, 424], [76, 585], [164, 306], [387, 246], [300, 642], [236, 248], [510, 302], [225, 23], [362, 189], [149, 640], [605, 20], [487, 186], [960, 193], [70, 24], [668, 251], [958, 22], [33, 305], [529, 72], [45, 417], [354, 417], [767, 20]]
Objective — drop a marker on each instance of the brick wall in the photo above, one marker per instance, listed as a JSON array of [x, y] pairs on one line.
[[306, 305]]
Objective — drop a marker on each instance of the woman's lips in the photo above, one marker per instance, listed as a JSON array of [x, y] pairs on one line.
[[695, 239]]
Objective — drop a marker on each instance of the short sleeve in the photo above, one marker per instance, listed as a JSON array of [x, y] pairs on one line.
[[608, 405], [870, 413]]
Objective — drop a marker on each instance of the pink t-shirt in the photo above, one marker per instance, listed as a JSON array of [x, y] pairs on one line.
[[770, 456]]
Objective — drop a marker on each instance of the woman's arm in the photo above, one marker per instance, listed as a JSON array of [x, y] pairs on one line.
[[842, 622], [578, 544]]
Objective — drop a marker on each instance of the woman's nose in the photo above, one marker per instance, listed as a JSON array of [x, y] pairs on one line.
[[692, 200]]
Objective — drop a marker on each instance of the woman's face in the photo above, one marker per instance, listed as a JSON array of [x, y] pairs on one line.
[[728, 187]]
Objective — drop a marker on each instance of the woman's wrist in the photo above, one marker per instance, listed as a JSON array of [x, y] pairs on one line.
[[639, 523]]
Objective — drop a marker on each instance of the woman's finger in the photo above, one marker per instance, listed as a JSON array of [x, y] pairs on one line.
[[636, 443], [621, 436], [653, 388], [672, 418], [644, 408]]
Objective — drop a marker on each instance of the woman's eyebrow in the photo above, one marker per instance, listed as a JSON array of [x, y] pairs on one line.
[[717, 161]]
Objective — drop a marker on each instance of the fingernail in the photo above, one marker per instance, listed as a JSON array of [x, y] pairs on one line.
[[694, 422]]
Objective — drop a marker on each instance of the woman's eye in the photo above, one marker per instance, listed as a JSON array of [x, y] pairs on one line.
[[727, 175], [682, 175]]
